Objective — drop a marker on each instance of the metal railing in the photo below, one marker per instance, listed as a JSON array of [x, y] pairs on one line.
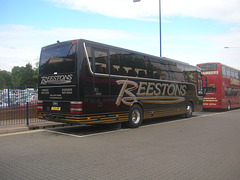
[[18, 105]]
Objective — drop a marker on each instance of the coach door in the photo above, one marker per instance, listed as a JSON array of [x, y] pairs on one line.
[[101, 87]]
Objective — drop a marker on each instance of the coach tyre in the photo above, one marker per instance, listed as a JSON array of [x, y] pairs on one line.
[[189, 110], [135, 116]]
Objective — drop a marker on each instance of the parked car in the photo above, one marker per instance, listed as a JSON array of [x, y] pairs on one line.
[[31, 102], [11, 102]]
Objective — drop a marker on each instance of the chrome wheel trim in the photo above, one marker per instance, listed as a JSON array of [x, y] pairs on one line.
[[136, 116], [189, 110]]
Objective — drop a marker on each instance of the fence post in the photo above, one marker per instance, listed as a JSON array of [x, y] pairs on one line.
[[8, 97], [27, 115]]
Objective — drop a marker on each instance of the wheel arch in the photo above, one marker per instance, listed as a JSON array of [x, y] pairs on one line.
[[139, 103], [135, 115], [190, 101]]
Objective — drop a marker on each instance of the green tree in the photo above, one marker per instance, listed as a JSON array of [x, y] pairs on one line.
[[5, 78], [16, 75], [22, 76], [35, 73]]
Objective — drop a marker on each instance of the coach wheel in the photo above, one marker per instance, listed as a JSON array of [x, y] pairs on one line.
[[189, 110], [229, 106], [135, 116]]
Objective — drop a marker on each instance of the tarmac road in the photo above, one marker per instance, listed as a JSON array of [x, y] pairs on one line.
[[206, 146]]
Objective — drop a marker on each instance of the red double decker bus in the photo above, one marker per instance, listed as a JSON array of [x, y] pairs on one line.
[[223, 86]]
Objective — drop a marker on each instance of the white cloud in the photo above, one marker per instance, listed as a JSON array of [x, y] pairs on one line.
[[227, 11], [206, 48], [22, 44]]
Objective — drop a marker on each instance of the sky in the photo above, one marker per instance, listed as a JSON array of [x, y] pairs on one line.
[[193, 31]]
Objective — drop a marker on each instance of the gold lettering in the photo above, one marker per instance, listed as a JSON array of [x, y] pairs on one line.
[[158, 90], [126, 90], [171, 89], [132, 91], [183, 90], [164, 89], [150, 89], [141, 88]]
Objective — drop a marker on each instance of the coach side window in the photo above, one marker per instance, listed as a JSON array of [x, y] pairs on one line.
[[158, 71], [101, 61], [171, 72], [140, 63], [127, 64], [115, 62], [164, 73], [151, 68]]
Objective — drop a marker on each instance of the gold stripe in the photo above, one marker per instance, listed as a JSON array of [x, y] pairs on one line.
[[113, 117]]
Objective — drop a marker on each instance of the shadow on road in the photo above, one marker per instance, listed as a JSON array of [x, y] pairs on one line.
[[82, 130]]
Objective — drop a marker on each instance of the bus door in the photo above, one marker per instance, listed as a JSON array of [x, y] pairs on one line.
[[101, 86]]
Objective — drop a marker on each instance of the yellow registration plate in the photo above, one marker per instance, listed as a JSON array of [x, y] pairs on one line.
[[56, 108]]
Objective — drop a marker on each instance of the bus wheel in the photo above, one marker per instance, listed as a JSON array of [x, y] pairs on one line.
[[229, 106], [135, 117], [189, 110]]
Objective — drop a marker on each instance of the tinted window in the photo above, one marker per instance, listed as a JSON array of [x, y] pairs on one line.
[[224, 73], [128, 64], [236, 74], [159, 71], [174, 73], [58, 59], [115, 62], [190, 76], [210, 89], [228, 72], [231, 91], [141, 63], [101, 61], [208, 67], [232, 73]]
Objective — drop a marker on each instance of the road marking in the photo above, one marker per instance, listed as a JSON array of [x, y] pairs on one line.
[[19, 133], [61, 133], [83, 136]]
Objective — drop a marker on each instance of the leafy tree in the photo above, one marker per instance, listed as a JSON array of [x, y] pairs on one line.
[[5, 78], [19, 76], [16, 75], [35, 73], [22, 76]]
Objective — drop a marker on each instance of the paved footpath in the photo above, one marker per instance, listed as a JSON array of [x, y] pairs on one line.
[[23, 127]]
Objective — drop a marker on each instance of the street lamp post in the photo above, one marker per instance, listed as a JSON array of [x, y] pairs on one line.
[[160, 25], [160, 28]]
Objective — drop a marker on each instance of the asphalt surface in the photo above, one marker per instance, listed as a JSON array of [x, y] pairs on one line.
[[206, 146]]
